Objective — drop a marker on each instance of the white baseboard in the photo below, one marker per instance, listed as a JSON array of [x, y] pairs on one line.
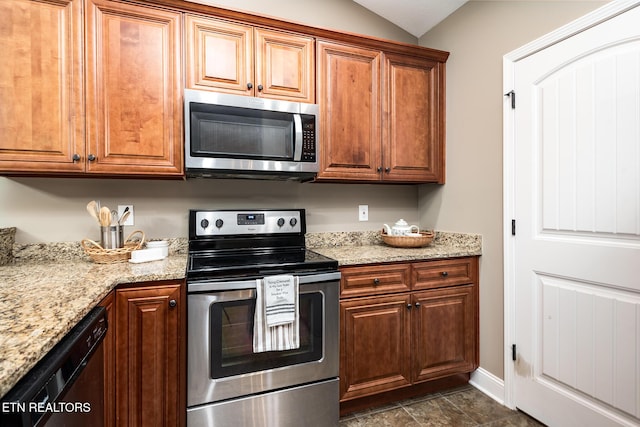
[[489, 384]]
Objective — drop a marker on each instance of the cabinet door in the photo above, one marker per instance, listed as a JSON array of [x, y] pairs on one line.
[[285, 66], [413, 137], [41, 116], [374, 345], [349, 97], [148, 361], [445, 329], [219, 55], [134, 106]]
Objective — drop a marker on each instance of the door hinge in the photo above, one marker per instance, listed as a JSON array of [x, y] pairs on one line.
[[513, 352], [513, 227], [512, 95]]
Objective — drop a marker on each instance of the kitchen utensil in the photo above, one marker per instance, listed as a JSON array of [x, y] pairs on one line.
[[125, 215], [401, 228], [111, 237], [92, 208], [114, 217], [105, 216]]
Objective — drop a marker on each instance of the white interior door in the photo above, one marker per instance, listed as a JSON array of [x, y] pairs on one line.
[[576, 252]]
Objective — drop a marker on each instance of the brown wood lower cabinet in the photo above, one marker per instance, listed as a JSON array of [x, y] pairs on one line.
[[147, 324], [406, 341]]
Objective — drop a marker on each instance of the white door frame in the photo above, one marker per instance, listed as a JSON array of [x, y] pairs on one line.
[[602, 14]]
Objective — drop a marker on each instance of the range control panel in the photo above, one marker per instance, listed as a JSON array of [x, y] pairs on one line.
[[227, 223]]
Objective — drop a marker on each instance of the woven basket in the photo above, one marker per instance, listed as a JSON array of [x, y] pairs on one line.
[[100, 255], [426, 237]]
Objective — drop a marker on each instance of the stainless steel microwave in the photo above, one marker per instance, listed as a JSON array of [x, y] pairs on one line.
[[229, 136]]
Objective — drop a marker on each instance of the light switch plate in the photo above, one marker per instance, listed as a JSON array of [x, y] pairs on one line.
[[129, 220], [363, 212]]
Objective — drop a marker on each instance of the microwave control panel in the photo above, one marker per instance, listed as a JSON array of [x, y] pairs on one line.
[[308, 139]]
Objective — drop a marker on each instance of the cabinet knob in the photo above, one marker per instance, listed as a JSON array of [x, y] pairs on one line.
[[172, 303], [408, 306], [260, 87], [417, 305], [376, 281], [444, 274], [379, 169], [76, 157], [387, 170], [91, 157], [249, 85]]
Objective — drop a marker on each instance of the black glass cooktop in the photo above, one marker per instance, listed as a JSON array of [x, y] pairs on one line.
[[225, 264]]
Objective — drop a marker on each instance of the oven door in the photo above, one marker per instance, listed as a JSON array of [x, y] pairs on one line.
[[221, 363]]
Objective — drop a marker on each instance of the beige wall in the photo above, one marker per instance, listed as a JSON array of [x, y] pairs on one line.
[[478, 35], [53, 210]]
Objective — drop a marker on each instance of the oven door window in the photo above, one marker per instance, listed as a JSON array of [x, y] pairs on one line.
[[232, 337], [232, 132]]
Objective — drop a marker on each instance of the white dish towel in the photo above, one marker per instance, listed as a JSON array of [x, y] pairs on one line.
[[277, 319]]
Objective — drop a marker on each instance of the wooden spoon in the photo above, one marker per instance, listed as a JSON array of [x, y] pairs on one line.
[[105, 216], [92, 208]]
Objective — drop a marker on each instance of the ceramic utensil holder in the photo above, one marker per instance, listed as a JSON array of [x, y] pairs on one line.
[[111, 237], [7, 238]]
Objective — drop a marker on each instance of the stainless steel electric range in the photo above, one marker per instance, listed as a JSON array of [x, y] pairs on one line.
[[228, 384]]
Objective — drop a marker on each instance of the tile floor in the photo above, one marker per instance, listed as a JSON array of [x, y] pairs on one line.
[[461, 407]]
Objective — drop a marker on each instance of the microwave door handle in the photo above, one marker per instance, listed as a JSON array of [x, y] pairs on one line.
[[297, 128]]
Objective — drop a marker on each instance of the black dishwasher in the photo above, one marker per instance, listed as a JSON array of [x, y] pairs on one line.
[[66, 387]]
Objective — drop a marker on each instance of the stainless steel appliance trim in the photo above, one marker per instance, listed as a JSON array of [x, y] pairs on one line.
[[230, 224], [280, 408], [201, 389], [210, 286], [241, 101], [297, 148]]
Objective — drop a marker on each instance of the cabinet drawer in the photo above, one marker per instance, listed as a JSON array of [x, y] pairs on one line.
[[438, 274], [374, 280]]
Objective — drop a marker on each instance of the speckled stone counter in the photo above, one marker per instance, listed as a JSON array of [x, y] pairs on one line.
[[49, 288], [352, 248]]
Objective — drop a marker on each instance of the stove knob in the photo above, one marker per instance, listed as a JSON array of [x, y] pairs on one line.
[[280, 222], [204, 223], [293, 222], [219, 223]]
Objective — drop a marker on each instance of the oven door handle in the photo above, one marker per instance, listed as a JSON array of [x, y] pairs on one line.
[[208, 286]]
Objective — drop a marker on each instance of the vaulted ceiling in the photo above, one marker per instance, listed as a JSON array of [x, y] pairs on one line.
[[414, 16]]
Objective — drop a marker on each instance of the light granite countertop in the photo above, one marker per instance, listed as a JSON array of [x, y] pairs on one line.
[[40, 301], [367, 248], [51, 287]]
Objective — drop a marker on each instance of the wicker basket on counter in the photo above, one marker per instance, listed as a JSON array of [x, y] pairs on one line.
[[100, 255], [425, 238]]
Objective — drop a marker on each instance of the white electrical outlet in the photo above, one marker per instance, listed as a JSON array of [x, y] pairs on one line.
[[363, 212], [129, 220]]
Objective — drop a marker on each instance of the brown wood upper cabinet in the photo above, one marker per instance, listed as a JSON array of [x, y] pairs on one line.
[[130, 56], [382, 115], [231, 57], [41, 113]]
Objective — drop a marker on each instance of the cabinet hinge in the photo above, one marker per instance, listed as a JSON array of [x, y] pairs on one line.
[[513, 352], [512, 94], [513, 227]]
